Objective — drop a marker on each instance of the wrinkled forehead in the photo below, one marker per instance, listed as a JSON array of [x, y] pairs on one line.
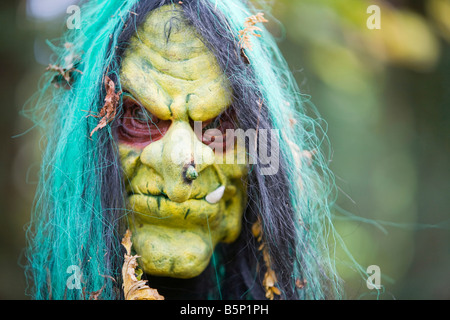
[[170, 70]]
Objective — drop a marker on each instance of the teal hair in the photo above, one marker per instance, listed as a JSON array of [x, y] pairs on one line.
[[73, 225], [68, 224]]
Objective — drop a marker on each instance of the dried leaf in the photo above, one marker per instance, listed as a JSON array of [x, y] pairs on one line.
[[256, 228], [64, 77], [250, 30], [134, 288], [300, 283], [270, 278], [276, 291], [109, 109], [126, 242], [94, 295], [252, 20], [266, 257]]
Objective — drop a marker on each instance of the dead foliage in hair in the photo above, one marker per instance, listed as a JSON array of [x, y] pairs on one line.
[[64, 77], [270, 278], [133, 287], [250, 30], [109, 109]]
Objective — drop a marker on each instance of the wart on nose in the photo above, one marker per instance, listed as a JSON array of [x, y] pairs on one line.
[[179, 158], [190, 173]]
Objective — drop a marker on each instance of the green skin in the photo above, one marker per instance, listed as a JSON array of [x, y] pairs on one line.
[[175, 230]]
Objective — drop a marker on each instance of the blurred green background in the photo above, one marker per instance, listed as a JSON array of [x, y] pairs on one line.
[[384, 94]]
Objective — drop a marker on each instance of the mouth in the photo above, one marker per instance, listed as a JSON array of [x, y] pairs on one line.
[[160, 210], [212, 198]]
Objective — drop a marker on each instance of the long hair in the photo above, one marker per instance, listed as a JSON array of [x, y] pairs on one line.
[[79, 211]]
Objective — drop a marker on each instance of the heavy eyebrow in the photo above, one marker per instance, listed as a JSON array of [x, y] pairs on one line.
[[145, 89]]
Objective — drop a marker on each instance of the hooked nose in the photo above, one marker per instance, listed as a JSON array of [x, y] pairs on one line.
[[179, 158]]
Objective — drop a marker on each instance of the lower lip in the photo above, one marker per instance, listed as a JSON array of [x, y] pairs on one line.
[[162, 211]]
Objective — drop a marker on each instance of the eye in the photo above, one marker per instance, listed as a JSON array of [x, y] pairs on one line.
[[214, 131], [137, 126], [140, 115], [211, 124]]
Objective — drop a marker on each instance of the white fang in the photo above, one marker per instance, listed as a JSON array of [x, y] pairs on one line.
[[216, 195]]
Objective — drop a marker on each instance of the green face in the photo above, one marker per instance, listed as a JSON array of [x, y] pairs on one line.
[[183, 195]]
